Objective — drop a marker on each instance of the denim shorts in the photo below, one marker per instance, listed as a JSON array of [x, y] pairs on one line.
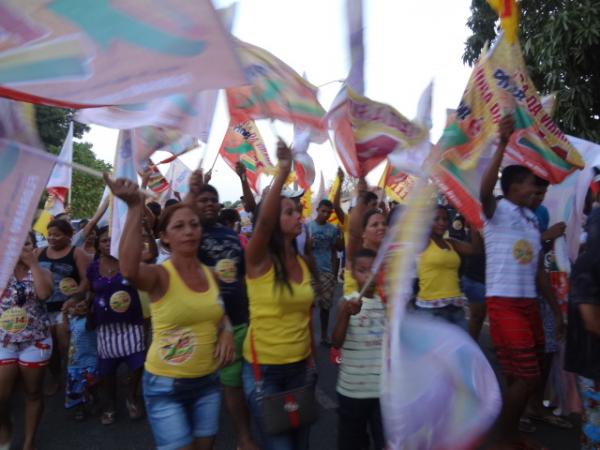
[[181, 409], [474, 290]]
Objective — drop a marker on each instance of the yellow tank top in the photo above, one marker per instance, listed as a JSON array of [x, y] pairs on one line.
[[438, 273], [279, 320], [184, 328], [350, 284]]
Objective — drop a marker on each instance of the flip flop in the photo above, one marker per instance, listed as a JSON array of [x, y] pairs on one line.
[[135, 412], [525, 425], [108, 418], [553, 420]]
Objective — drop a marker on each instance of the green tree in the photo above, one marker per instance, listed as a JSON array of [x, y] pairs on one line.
[[561, 46], [53, 124]]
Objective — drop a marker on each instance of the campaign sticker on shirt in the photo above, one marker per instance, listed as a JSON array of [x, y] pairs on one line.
[[523, 251], [176, 346], [226, 270], [120, 301], [68, 286], [457, 225], [14, 320]]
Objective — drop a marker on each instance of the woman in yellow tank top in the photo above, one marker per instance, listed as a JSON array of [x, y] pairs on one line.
[[439, 288], [192, 337], [280, 297]]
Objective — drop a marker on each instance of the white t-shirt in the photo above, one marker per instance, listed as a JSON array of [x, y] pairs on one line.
[[512, 248], [360, 367]]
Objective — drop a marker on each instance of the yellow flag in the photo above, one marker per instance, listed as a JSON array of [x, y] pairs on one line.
[[41, 225], [307, 205], [333, 219], [508, 12]]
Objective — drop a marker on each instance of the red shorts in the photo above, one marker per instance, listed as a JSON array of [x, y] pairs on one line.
[[517, 334]]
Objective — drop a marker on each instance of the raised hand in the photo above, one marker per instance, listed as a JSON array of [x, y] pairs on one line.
[[124, 189], [506, 128], [340, 174], [196, 181], [284, 155], [28, 257], [240, 169], [208, 176]]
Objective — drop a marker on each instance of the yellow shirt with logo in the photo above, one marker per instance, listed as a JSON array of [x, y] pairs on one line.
[[184, 328], [438, 273], [279, 319]]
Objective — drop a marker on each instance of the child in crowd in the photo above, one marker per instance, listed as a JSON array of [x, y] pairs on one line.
[[82, 373], [359, 331]]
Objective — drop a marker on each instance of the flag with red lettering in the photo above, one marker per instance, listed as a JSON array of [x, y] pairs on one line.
[[157, 183], [499, 84], [396, 184], [72, 54], [274, 91], [243, 142], [366, 132]]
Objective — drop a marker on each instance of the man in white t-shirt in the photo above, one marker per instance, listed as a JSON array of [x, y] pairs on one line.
[[514, 273]]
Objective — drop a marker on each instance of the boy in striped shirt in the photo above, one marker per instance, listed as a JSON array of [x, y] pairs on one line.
[[359, 331]]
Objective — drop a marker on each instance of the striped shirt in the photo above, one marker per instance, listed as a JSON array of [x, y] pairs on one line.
[[361, 353], [116, 340], [512, 249]]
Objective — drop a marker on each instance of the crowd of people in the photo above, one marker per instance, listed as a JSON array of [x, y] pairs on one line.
[[201, 307]]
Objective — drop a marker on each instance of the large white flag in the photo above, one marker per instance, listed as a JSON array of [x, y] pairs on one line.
[[23, 175], [59, 184], [124, 168], [178, 176]]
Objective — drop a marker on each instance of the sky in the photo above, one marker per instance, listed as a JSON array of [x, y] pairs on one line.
[[407, 44]]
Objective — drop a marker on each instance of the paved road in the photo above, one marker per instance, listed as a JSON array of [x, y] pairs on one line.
[[58, 431]]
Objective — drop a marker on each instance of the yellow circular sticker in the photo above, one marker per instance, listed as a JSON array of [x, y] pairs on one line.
[[226, 270], [176, 346], [14, 320], [457, 225], [523, 251], [120, 301], [68, 286]]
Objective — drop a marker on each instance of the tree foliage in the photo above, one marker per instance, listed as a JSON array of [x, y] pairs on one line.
[[561, 46], [53, 124]]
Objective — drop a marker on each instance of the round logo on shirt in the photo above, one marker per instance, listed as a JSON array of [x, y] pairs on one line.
[[226, 270], [176, 346], [457, 225], [523, 251], [14, 320], [67, 286], [120, 301]]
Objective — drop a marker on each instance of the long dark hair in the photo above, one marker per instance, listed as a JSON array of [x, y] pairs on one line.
[[99, 233], [276, 249]]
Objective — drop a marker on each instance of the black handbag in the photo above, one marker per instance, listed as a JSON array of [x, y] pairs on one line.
[[288, 410]]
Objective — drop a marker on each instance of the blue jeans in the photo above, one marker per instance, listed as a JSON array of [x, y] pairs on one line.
[[276, 378], [450, 313], [474, 290], [181, 409]]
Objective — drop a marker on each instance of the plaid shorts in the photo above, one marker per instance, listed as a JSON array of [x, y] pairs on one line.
[[324, 293], [517, 334]]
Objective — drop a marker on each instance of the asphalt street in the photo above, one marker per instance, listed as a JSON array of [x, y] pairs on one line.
[[59, 431]]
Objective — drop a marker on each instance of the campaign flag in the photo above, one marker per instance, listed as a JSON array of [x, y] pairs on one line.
[[499, 83], [72, 54], [508, 11], [124, 168], [438, 390], [396, 184], [565, 203], [411, 159], [335, 187], [191, 113], [304, 165], [242, 142], [59, 184], [23, 177], [275, 91], [365, 132], [147, 140], [354, 17], [178, 176], [157, 183]]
